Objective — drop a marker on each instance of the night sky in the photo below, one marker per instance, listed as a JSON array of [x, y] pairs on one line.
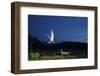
[[66, 28]]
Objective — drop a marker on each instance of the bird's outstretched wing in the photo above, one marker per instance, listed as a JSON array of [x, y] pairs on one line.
[[48, 36]]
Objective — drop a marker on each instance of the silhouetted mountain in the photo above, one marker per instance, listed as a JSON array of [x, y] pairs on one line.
[[34, 43], [75, 48]]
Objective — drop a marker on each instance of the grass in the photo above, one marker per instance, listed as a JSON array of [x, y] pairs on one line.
[[37, 56]]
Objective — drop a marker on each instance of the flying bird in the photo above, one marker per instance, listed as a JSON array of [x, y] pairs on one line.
[[51, 37]]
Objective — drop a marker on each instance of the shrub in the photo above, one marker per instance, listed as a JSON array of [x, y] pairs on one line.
[[35, 56]]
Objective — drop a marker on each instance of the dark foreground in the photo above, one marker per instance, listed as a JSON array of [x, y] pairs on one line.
[[38, 50]]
